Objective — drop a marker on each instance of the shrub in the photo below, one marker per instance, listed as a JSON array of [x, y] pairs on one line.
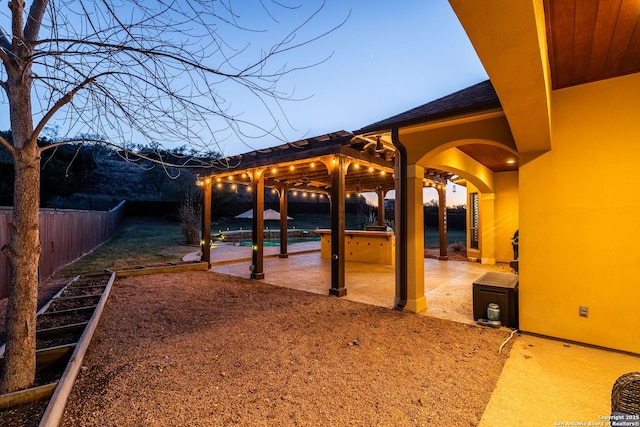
[[190, 220], [457, 247]]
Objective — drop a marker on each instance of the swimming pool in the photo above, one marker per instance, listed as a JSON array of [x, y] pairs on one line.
[[276, 242]]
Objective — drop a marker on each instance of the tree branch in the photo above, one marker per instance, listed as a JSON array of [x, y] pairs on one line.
[[171, 67], [7, 145], [5, 41], [58, 105], [17, 10], [34, 20]]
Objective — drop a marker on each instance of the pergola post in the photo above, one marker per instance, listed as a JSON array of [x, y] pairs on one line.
[[381, 218], [442, 222], [284, 199], [337, 228], [257, 225], [206, 221]]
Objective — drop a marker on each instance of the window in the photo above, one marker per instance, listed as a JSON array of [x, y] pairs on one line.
[[474, 228]]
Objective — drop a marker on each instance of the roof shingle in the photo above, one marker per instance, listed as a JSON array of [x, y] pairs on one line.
[[478, 97]]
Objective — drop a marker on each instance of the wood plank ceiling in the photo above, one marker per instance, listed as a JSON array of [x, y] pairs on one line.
[[590, 40]]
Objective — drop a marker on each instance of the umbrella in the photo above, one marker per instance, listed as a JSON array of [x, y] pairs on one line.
[[268, 214]]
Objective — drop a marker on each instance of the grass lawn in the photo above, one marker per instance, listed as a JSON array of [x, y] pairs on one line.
[[138, 241]]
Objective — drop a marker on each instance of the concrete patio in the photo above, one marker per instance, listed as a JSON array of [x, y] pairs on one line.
[[545, 382]]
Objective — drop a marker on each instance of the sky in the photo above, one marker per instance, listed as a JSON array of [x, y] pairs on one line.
[[388, 57]]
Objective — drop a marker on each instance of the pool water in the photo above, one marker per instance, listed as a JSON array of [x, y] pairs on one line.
[[431, 238], [276, 242]]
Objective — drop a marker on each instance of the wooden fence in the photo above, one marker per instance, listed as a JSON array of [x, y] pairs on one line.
[[65, 235]]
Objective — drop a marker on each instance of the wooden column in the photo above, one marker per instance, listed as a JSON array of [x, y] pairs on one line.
[[206, 221], [380, 206], [442, 221], [257, 226], [337, 228], [284, 199]]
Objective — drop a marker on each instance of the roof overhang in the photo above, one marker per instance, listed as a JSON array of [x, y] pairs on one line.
[[592, 40]]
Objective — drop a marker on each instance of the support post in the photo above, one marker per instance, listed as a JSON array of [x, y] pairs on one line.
[[416, 300], [337, 228], [257, 226], [442, 222], [206, 221], [400, 229], [284, 199], [381, 206]]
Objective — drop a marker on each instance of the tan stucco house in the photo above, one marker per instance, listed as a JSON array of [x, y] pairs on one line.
[[550, 146]]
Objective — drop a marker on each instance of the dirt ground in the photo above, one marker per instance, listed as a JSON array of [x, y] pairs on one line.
[[206, 349]]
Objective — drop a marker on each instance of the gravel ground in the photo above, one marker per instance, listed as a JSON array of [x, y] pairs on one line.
[[205, 349]]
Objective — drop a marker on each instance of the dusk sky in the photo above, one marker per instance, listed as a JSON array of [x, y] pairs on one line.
[[387, 58]]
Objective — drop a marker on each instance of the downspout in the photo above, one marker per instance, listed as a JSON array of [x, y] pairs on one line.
[[401, 222]]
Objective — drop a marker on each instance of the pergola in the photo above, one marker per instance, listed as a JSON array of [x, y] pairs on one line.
[[336, 165]]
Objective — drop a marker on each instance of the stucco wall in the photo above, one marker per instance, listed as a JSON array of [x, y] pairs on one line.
[[579, 205], [506, 211], [498, 218]]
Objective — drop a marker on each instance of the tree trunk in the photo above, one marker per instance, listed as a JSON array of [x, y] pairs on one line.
[[23, 253], [23, 250]]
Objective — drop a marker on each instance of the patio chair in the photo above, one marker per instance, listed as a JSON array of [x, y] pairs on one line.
[[625, 394]]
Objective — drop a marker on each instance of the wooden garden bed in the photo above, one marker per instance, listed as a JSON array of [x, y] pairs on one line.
[[65, 326], [176, 267]]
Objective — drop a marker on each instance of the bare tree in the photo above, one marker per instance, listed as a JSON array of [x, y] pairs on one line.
[[130, 70]]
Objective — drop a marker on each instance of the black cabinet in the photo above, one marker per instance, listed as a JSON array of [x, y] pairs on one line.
[[498, 288]]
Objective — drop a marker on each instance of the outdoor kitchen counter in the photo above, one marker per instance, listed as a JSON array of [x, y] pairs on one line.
[[374, 247]]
